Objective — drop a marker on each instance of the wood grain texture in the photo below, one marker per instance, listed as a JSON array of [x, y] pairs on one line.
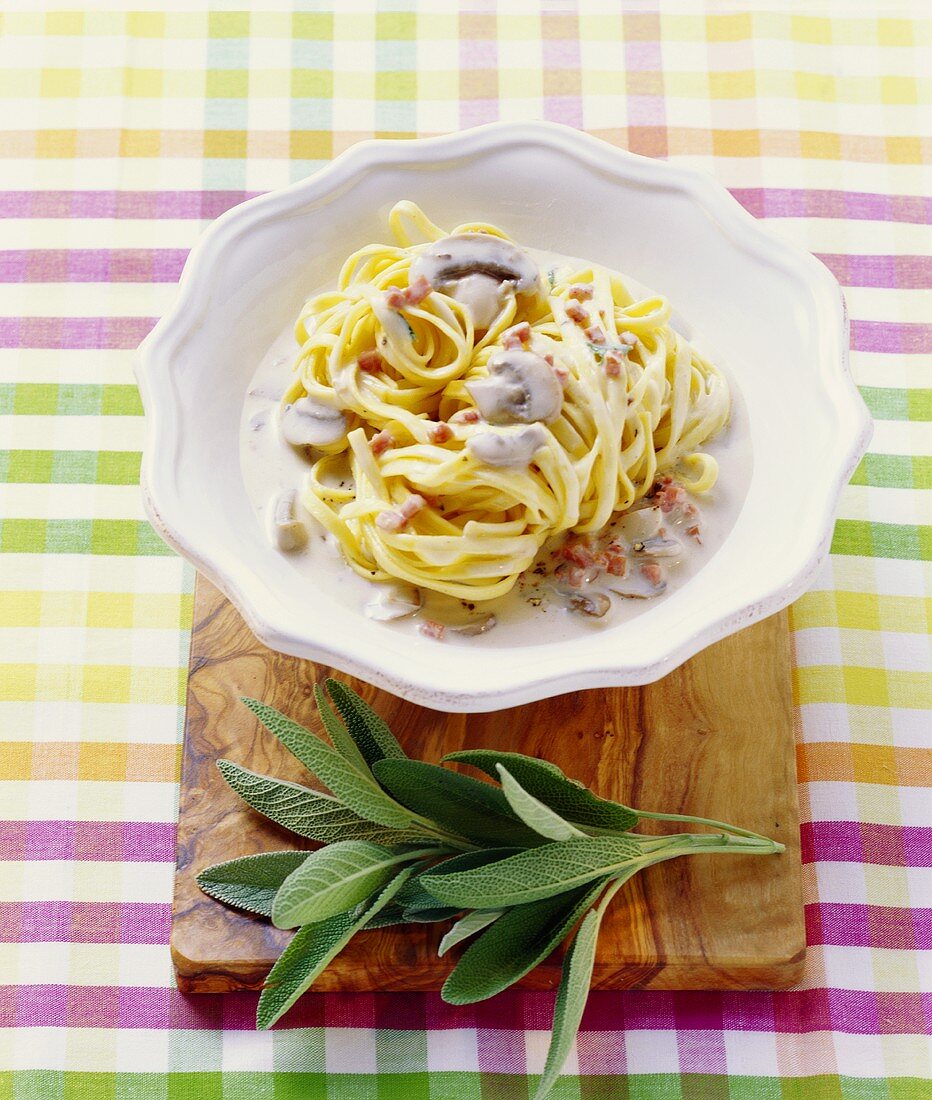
[[714, 738]]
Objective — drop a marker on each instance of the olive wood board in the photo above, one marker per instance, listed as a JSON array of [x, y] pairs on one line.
[[713, 738]]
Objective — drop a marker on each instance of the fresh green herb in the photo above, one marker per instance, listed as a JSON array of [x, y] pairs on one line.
[[599, 350], [518, 866]]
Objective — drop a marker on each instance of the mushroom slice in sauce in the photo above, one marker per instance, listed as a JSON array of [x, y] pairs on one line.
[[453, 258], [286, 530], [640, 525], [483, 295], [641, 584], [659, 547], [309, 423], [521, 388], [595, 604], [394, 601], [477, 626], [514, 449]]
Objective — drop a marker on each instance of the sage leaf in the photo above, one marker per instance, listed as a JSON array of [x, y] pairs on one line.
[[311, 950], [334, 879], [515, 944], [534, 873], [533, 812], [250, 882], [308, 813], [468, 807], [572, 995], [338, 733], [468, 926], [546, 782], [432, 916], [414, 899], [370, 732], [360, 792]]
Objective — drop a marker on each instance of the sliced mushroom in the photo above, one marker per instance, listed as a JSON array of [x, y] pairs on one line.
[[659, 547], [286, 530], [482, 295], [451, 258], [309, 423], [394, 601], [641, 584], [521, 388], [595, 604], [515, 448], [477, 626], [641, 525]]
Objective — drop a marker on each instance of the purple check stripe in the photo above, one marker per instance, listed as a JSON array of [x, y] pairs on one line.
[[863, 842], [146, 205], [777, 202], [839, 925], [763, 202], [84, 922], [117, 841], [92, 265], [797, 1012], [74, 333], [888, 272]]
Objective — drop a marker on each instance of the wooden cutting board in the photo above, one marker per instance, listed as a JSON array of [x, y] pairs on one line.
[[714, 738]]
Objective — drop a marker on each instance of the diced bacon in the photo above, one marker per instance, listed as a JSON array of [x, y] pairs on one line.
[[596, 334], [516, 336], [381, 443], [578, 553], [615, 562], [465, 416], [582, 292], [563, 376], [392, 520], [370, 362], [694, 531], [440, 433], [549, 360], [576, 312], [628, 338], [431, 629], [413, 295], [653, 572], [574, 576], [418, 291], [670, 495], [613, 362]]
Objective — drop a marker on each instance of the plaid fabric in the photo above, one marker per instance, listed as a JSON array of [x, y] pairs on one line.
[[122, 134]]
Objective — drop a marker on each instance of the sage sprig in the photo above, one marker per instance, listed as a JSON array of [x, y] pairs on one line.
[[520, 867]]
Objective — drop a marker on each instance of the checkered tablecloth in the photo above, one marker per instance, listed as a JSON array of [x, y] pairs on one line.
[[121, 135]]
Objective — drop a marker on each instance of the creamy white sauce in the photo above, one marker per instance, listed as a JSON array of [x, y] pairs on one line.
[[270, 467]]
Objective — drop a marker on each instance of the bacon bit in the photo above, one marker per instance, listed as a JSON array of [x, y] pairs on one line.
[[582, 292], [596, 334], [431, 629], [652, 572], [516, 336], [548, 359], [380, 443], [418, 291], [413, 295], [694, 531], [578, 553], [396, 520], [440, 433], [670, 495], [574, 575], [613, 362], [465, 416], [615, 562], [576, 312], [370, 362], [628, 338], [562, 375]]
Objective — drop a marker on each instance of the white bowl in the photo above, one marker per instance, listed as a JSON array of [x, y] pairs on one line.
[[774, 315]]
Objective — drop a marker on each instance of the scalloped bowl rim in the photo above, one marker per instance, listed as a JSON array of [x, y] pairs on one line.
[[418, 681]]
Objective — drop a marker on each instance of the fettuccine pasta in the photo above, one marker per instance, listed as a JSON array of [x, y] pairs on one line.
[[462, 408]]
